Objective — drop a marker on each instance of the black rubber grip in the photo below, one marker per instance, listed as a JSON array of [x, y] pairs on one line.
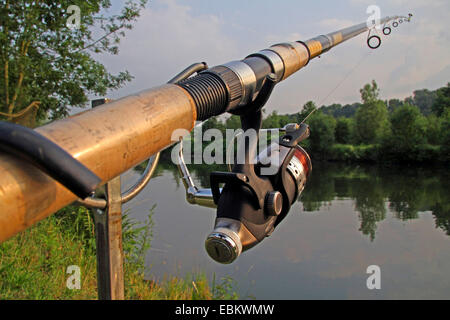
[[209, 93], [48, 157]]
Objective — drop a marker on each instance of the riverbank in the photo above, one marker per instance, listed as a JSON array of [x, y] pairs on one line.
[[33, 264], [375, 153]]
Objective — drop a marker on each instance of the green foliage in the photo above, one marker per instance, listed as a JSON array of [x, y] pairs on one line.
[[33, 263], [371, 117], [424, 100], [136, 239], [322, 132], [79, 221], [446, 135], [442, 102], [371, 122], [42, 60], [393, 104], [233, 122], [344, 130], [408, 129], [215, 123], [348, 152], [337, 110], [376, 131], [224, 290], [274, 120], [434, 133], [308, 108], [370, 93]]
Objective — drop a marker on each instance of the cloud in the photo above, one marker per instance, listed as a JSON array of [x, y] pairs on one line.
[[410, 4], [335, 23], [166, 39], [169, 36]]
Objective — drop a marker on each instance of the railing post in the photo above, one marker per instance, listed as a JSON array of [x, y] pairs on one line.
[[108, 234]]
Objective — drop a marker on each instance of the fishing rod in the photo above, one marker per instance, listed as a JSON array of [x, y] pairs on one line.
[[100, 144], [251, 204]]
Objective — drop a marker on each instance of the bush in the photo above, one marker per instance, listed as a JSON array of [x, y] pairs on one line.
[[344, 130], [348, 152], [322, 132], [408, 129]]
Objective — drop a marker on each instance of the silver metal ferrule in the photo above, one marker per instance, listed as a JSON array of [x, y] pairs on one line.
[[275, 61], [247, 77]]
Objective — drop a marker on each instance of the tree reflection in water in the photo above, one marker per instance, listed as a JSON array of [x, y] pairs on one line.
[[406, 191]]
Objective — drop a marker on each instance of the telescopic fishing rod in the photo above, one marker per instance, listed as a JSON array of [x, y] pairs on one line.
[[100, 144], [252, 203]]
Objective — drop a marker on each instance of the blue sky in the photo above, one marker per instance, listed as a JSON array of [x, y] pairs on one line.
[[172, 34]]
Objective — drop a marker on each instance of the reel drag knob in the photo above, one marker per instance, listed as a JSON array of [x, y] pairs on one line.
[[223, 245], [274, 203]]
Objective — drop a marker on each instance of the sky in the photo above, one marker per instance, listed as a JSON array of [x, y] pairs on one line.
[[172, 34]]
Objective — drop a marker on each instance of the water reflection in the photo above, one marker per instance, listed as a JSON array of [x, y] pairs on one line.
[[406, 191], [347, 218]]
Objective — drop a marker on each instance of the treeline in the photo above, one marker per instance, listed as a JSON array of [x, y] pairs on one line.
[[416, 129]]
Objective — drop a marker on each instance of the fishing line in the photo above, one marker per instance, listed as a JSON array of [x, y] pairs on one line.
[[340, 83]]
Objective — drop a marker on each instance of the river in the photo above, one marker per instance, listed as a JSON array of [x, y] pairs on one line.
[[348, 218]]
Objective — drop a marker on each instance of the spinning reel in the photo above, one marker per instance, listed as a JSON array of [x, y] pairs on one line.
[[258, 193]]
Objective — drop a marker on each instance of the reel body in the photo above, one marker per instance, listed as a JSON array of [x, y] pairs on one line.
[[245, 214], [258, 192]]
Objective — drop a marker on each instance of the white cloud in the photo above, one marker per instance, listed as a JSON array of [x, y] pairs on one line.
[[166, 39], [169, 36]]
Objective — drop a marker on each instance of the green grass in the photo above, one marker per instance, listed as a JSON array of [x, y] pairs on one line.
[[33, 264]]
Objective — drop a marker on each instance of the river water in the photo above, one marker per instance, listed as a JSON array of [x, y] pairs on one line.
[[348, 218]]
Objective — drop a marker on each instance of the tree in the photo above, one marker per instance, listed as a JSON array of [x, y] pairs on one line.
[[213, 123], [46, 57], [393, 104], [272, 121], [370, 93], [446, 134], [434, 130], [308, 108], [322, 132], [233, 122], [344, 129], [424, 100], [371, 117], [442, 101], [332, 110], [408, 128]]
